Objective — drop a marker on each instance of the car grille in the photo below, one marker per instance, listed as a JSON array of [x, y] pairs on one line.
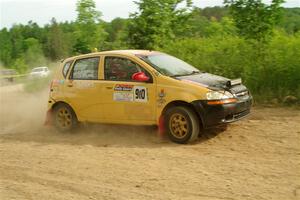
[[236, 116], [242, 94], [240, 91]]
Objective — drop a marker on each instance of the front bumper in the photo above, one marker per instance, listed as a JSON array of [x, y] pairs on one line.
[[214, 115]]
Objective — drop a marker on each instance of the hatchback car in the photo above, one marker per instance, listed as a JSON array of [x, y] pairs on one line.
[[140, 87], [39, 72]]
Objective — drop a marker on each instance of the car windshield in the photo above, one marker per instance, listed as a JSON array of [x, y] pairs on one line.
[[169, 65]]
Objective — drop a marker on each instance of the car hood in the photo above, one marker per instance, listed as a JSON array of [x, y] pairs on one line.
[[208, 80]]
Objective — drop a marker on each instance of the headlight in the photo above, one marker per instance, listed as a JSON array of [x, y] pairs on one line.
[[218, 95]]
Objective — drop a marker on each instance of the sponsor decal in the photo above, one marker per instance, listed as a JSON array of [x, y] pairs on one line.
[[55, 83], [84, 85], [161, 98], [123, 96], [123, 87]]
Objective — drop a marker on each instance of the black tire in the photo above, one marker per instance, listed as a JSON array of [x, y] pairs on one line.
[[64, 118], [182, 124]]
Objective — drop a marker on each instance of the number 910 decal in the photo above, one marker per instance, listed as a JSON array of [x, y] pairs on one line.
[[140, 94]]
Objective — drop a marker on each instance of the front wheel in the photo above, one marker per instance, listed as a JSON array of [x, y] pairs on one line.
[[64, 118], [182, 124]]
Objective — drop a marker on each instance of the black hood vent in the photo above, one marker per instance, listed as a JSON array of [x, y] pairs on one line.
[[215, 82]]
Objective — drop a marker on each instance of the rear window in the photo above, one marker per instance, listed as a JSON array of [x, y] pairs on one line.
[[66, 68], [86, 69]]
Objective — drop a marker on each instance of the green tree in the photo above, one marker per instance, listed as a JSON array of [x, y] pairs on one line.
[[253, 18], [89, 32], [117, 31], [222, 28], [20, 65], [197, 24], [33, 56], [17, 39], [32, 30], [57, 42], [256, 20], [291, 20], [5, 47], [215, 12], [157, 22]]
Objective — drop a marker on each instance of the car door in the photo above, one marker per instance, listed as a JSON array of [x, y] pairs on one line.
[[125, 100], [82, 89]]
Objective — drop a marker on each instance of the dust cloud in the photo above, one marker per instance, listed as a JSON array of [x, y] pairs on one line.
[[21, 111], [22, 117]]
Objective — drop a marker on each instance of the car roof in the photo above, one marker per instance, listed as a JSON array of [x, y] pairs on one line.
[[118, 52]]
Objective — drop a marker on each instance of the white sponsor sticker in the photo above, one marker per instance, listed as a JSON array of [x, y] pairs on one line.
[[84, 85], [123, 96], [140, 94]]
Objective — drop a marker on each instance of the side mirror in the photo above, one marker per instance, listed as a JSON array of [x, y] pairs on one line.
[[140, 77]]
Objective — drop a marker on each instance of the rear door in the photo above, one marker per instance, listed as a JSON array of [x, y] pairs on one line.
[[82, 89], [125, 100]]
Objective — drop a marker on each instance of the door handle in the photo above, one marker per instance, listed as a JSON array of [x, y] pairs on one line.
[[109, 88], [70, 84]]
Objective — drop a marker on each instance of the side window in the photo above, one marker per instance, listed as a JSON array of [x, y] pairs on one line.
[[86, 69], [66, 68], [121, 69]]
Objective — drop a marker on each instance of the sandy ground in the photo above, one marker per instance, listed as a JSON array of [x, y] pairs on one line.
[[257, 158]]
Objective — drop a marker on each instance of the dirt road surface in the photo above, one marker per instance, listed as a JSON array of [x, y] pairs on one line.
[[257, 158]]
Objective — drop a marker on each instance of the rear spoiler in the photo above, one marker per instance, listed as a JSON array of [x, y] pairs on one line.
[[234, 82]]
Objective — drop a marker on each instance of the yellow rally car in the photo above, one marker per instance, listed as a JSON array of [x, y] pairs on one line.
[[142, 87]]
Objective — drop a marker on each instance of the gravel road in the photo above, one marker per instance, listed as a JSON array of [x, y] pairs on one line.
[[256, 158]]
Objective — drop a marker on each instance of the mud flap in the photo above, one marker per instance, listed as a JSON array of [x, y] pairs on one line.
[[161, 126], [48, 120]]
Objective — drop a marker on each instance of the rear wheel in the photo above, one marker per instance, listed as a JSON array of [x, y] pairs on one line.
[[182, 124], [64, 118]]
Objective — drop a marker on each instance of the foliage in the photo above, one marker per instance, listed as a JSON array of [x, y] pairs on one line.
[[89, 34], [254, 19], [234, 57], [215, 12], [57, 42], [87, 13], [157, 22], [291, 20], [6, 47], [33, 55], [20, 65], [117, 31]]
